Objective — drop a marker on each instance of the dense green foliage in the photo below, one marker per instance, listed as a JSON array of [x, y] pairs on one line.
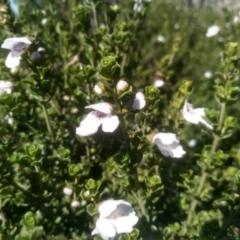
[[86, 42]]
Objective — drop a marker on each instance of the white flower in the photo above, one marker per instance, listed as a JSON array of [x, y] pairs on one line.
[[159, 83], [161, 39], [208, 74], [168, 145], [101, 116], [212, 31], [194, 116], [116, 217], [18, 46], [139, 102], [138, 6], [67, 191], [5, 86]]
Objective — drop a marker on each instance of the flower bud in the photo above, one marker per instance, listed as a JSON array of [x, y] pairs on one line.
[[35, 56], [99, 88], [67, 191], [75, 204], [86, 195], [44, 21], [158, 83], [122, 86], [139, 102], [14, 70]]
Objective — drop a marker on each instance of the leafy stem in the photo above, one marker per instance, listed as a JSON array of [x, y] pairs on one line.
[[216, 140], [47, 121], [125, 136]]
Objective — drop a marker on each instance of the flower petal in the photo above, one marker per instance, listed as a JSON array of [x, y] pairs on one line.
[[110, 123], [177, 152], [94, 231], [107, 207], [89, 125], [165, 138], [165, 152], [125, 224], [9, 42], [104, 228], [199, 112], [12, 62], [203, 121], [189, 113], [102, 107]]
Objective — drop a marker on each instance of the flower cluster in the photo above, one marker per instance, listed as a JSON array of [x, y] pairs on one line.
[[168, 143], [103, 112], [115, 216]]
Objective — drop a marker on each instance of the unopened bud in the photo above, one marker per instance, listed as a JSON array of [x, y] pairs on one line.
[[14, 70], [122, 86], [139, 101], [35, 56], [158, 83], [99, 88], [67, 191], [75, 204]]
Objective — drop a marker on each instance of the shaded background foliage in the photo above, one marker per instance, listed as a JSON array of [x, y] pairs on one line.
[[40, 153]]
